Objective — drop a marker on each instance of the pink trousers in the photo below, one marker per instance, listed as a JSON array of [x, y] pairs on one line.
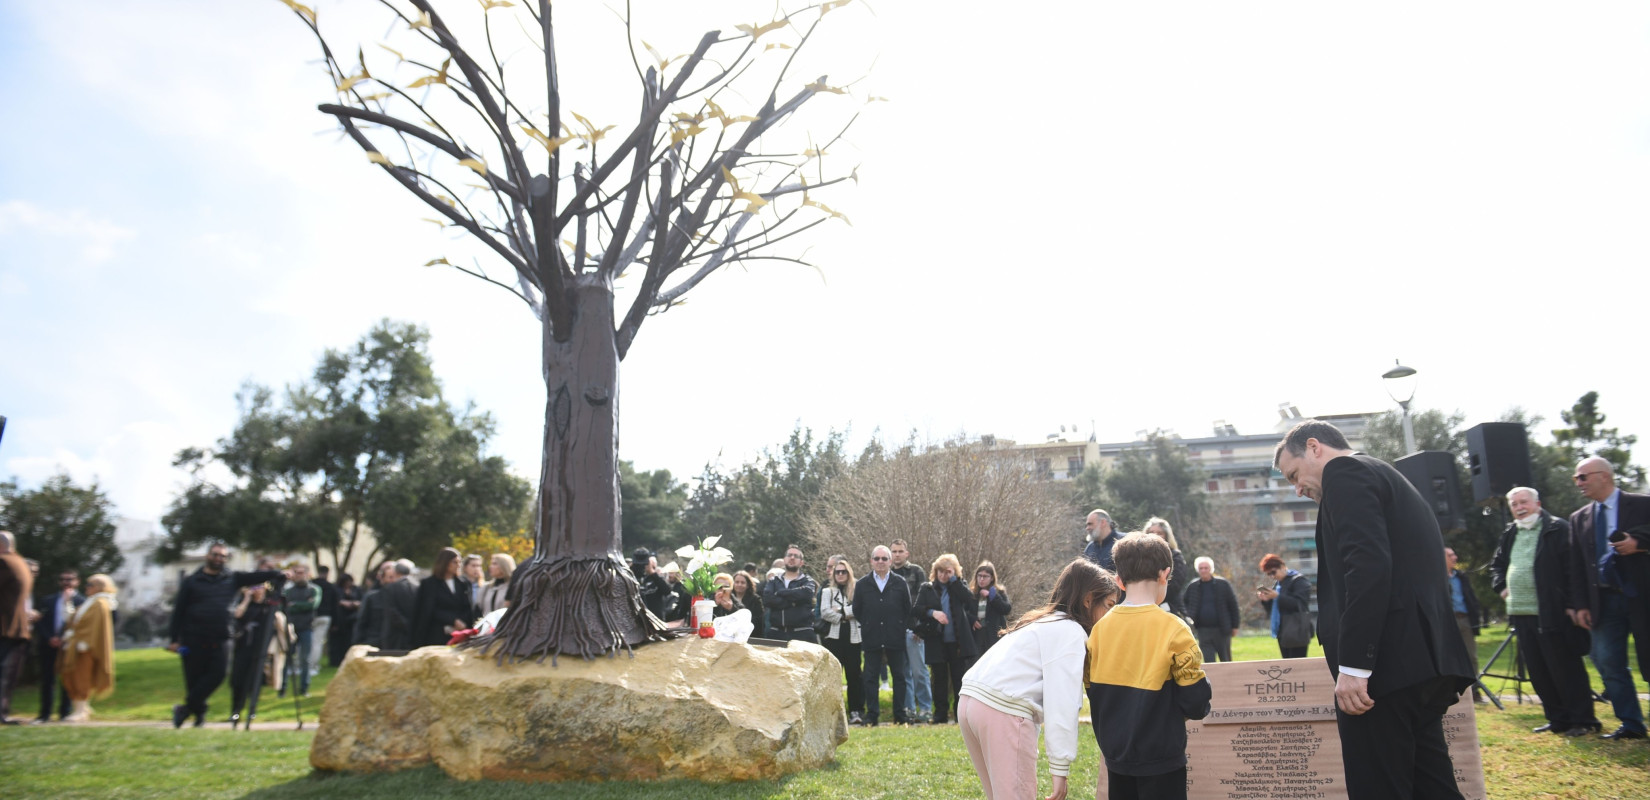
[[1003, 748]]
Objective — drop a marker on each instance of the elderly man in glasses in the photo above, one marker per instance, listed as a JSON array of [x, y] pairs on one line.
[[882, 604], [1611, 575]]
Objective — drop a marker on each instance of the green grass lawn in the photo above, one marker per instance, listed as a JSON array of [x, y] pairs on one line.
[[148, 682], [65, 761]]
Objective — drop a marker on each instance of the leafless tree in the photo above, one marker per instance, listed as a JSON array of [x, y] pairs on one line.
[[687, 188], [956, 497]]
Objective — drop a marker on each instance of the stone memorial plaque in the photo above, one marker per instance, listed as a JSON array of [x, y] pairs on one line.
[[1271, 736]]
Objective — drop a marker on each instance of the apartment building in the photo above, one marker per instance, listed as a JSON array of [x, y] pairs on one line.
[[1237, 469]]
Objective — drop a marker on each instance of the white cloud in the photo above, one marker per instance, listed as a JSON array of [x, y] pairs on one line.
[[98, 237], [131, 465]]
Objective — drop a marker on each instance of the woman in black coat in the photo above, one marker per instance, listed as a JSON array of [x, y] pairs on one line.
[[945, 614], [443, 602], [991, 607], [1181, 576]]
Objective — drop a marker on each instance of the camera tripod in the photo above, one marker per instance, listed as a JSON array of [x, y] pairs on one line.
[[1519, 676]]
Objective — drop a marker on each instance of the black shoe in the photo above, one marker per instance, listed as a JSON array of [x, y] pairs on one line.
[[179, 714], [200, 719], [1623, 732], [1548, 728], [9, 721]]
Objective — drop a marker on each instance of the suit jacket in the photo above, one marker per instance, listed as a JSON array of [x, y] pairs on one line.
[[1634, 512], [398, 603], [1383, 605], [15, 582], [46, 627], [438, 607], [883, 615]]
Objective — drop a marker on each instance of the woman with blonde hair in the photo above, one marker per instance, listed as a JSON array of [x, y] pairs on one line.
[[494, 594], [1178, 578], [836, 609], [945, 620], [86, 664]]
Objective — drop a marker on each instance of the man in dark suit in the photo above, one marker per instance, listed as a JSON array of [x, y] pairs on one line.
[[1610, 585], [1388, 634], [882, 605], [56, 612], [400, 604]]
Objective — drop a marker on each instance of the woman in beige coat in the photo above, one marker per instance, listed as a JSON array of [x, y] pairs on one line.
[[86, 664]]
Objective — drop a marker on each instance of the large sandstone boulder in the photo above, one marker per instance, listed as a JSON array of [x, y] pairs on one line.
[[688, 708]]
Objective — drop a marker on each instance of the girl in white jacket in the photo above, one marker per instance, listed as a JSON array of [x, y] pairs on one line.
[[1035, 677]]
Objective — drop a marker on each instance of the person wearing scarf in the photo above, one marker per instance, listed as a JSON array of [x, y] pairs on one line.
[[86, 665]]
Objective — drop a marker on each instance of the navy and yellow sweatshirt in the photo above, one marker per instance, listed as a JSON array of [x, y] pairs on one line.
[[1145, 680]]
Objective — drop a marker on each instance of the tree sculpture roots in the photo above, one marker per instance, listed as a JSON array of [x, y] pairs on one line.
[[571, 606]]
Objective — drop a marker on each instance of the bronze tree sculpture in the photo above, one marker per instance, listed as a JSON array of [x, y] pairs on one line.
[[687, 190]]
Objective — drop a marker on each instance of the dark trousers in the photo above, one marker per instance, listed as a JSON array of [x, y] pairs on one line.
[[203, 669], [796, 634], [1216, 644], [1557, 673], [1616, 617], [847, 653], [1168, 786], [875, 657], [49, 686], [12, 653], [1397, 748], [338, 638], [946, 680], [247, 674], [1293, 652]]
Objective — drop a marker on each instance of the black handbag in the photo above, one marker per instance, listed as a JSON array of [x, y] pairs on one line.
[[1295, 629]]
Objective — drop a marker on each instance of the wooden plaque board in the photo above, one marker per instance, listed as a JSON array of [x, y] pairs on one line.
[[1271, 736]]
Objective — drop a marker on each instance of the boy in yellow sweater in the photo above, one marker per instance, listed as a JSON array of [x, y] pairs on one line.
[[1145, 679]]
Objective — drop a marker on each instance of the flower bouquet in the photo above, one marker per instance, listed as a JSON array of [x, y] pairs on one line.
[[700, 576]]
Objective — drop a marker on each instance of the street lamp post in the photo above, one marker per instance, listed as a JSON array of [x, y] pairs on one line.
[[1400, 385]]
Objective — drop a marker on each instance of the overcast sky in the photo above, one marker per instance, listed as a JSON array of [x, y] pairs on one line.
[[1144, 215]]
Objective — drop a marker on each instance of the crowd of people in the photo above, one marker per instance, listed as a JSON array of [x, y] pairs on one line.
[[943, 641]]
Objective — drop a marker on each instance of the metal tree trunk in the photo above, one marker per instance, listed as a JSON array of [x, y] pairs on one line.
[[577, 596]]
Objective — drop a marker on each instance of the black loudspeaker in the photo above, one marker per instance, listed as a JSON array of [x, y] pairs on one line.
[[1498, 457], [1432, 472]]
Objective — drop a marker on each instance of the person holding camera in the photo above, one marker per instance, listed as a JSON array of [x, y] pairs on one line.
[[1287, 601]]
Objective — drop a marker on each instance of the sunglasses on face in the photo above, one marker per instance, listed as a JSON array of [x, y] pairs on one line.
[[879, 558], [840, 572]]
